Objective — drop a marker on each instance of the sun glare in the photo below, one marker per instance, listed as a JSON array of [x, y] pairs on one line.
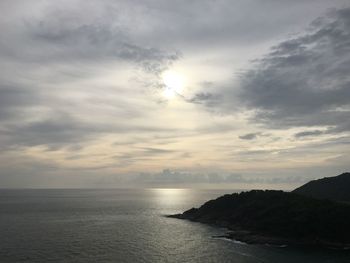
[[173, 83]]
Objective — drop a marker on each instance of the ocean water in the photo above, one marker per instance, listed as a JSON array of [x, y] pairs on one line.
[[125, 226]]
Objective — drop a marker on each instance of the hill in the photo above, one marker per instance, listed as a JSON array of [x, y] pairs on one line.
[[277, 217], [335, 188]]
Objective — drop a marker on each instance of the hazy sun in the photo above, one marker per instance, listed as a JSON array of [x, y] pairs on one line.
[[173, 83]]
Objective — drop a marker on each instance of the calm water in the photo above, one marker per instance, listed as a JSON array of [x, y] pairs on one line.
[[124, 226]]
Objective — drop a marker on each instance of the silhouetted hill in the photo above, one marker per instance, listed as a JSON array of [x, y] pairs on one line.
[[335, 188], [277, 217]]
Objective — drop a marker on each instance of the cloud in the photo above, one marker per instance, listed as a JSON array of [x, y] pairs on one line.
[[168, 176], [56, 37], [249, 136], [63, 130], [59, 130], [52, 63], [98, 42], [206, 98], [156, 151], [302, 81], [76, 76], [189, 178], [13, 99], [308, 133]]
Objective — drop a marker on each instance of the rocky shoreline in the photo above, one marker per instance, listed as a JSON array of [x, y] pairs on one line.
[[254, 238]]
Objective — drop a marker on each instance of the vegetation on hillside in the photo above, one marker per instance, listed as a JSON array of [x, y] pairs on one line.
[[277, 213], [335, 188]]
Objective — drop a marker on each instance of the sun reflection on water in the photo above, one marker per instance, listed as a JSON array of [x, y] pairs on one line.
[[169, 197]]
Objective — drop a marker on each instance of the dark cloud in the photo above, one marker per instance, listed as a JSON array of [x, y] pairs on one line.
[[249, 136], [308, 133], [64, 34], [303, 81], [63, 130], [99, 42], [155, 151], [13, 99], [206, 98], [58, 131], [223, 23]]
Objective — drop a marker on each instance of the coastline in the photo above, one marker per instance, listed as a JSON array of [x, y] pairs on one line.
[[236, 233]]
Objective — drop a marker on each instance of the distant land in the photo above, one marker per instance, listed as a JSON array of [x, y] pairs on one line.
[[283, 218]]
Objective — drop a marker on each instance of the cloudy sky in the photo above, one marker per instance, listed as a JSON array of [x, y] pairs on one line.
[[209, 93]]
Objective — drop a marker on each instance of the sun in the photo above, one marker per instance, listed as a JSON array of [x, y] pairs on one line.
[[174, 83]]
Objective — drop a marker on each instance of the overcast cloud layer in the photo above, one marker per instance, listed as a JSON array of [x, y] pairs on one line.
[[265, 101]]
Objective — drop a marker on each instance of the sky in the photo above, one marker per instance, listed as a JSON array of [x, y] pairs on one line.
[[208, 94]]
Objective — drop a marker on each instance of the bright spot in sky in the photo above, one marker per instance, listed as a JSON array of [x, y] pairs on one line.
[[174, 83]]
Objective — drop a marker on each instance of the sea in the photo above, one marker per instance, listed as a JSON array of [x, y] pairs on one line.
[[126, 225]]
